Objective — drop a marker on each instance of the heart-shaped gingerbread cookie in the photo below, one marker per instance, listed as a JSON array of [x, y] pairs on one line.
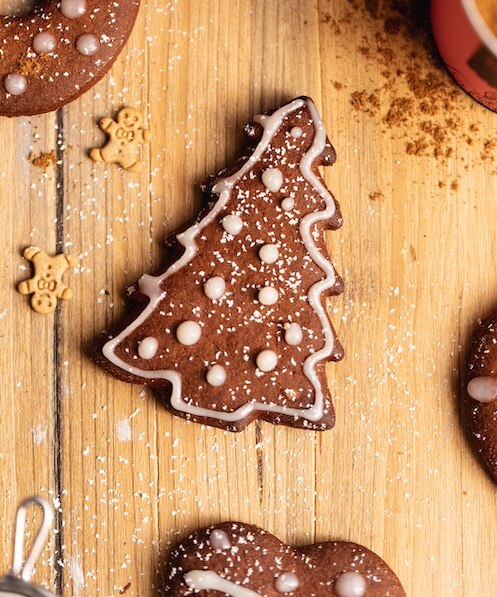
[[241, 560]]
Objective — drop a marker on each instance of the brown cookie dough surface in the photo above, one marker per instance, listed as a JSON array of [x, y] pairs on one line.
[[242, 560], [235, 326], [480, 397], [55, 53]]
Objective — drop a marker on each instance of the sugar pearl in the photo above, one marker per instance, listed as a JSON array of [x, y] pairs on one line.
[[15, 84], [287, 204], [350, 584], [267, 360], [73, 9], [483, 389], [232, 224], [293, 334], [88, 44], [269, 253], [286, 582], [215, 287], [268, 295], [272, 179], [188, 333], [216, 376], [296, 132], [219, 540], [44, 43], [148, 347]]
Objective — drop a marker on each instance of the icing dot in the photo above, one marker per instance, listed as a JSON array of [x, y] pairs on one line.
[[44, 43], [87, 44], [286, 582], [350, 584], [219, 540], [15, 84], [216, 376], [269, 253], [272, 179], [188, 333], [483, 389], [215, 287], [267, 360], [268, 295], [148, 347], [293, 334], [73, 9], [296, 132], [287, 204], [232, 224]]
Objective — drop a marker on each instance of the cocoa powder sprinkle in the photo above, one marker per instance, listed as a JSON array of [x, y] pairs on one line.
[[416, 100]]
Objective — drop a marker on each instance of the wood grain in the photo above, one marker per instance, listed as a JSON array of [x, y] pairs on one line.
[[396, 473]]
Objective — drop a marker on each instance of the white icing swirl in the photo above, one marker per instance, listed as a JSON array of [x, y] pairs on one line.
[[205, 580]]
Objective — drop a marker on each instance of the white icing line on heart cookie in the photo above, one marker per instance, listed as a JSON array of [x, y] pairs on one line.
[[150, 285], [205, 580]]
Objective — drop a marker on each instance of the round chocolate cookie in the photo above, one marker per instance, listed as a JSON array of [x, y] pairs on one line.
[[242, 560], [59, 50], [480, 399]]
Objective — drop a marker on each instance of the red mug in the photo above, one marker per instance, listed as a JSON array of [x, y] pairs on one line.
[[468, 47]]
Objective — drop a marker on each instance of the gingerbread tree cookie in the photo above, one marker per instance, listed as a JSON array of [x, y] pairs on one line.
[[235, 327]]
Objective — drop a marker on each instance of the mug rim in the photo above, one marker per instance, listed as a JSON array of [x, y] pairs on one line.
[[480, 25]]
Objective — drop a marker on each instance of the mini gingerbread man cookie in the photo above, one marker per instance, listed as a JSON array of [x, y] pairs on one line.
[[126, 135], [46, 285]]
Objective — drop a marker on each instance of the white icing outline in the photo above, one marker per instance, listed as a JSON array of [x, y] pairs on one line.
[[150, 285], [205, 580]]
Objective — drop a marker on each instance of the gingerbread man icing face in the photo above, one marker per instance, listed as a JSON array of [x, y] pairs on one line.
[[46, 285]]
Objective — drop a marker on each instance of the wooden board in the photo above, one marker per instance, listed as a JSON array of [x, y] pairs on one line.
[[417, 252]]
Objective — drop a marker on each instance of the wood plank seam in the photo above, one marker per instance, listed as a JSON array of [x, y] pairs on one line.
[[57, 360]]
